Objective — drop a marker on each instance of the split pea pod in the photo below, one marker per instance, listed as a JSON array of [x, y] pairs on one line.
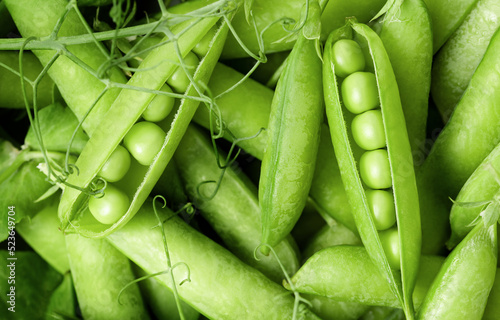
[[462, 287], [233, 211], [293, 135], [457, 60], [380, 184], [468, 137], [119, 123], [213, 270]]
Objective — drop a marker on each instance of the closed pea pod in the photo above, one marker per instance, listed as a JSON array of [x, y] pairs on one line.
[[293, 135], [463, 284], [469, 136], [457, 60], [393, 166]]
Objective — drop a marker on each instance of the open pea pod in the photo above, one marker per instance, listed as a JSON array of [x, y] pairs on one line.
[[400, 164], [156, 68]]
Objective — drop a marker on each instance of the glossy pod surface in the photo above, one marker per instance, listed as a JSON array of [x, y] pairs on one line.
[[293, 136], [468, 137], [233, 211], [399, 156], [213, 270]]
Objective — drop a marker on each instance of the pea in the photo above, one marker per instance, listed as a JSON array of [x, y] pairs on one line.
[[359, 92], [347, 57], [111, 207], [179, 81], [375, 169], [159, 108], [368, 130], [381, 204], [144, 141], [390, 243], [116, 166]]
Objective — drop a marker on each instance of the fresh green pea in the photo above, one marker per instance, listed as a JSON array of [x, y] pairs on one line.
[[144, 140], [375, 170], [381, 203], [116, 166], [463, 284], [110, 207], [359, 92], [368, 130], [468, 137], [179, 80], [290, 154], [396, 163], [347, 57], [160, 107], [390, 243]]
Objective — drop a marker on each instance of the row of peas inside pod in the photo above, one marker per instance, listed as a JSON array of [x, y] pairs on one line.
[[144, 140], [359, 92]]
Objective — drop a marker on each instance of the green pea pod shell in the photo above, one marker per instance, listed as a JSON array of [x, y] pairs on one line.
[[457, 60], [293, 137], [400, 159], [469, 136], [233, 211], [481, 188], [407, 37], [123, 114], [462, 287], [347, 273], [221, 286]]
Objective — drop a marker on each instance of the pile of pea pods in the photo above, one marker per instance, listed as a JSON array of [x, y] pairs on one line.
[[250, 159]]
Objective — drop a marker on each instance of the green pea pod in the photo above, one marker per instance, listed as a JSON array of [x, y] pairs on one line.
[[269, 13], [463, 284], [78, 87], [122, 115], [468, 137], [234, 210], [329, 309], [42, 234], [347, 273], [161, 300], [457, 60], [407, 37], [213, 271], [480, 189], [293, 138], [245, 110], [447, 16], [10, 87], [99, 274], [400, 159]]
